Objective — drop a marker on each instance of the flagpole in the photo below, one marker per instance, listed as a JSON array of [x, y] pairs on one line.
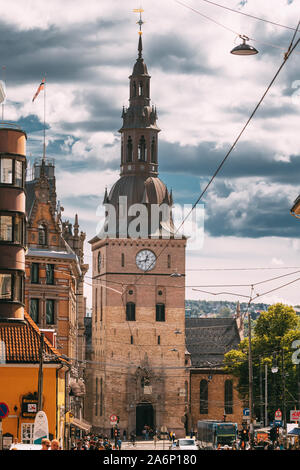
[[3, 71], [44, 152]]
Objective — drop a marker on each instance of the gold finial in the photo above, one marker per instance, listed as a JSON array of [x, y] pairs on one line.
[[140, 22]]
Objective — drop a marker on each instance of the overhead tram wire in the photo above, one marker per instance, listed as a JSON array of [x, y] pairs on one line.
[[229, 29], [205, 285], [256, 296], [249, 15], [286, 57], [258, 268]]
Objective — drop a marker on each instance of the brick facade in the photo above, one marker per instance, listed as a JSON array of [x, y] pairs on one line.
[[216, 397]]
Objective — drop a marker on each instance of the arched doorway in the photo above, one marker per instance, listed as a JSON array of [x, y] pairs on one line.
[[144, 415]]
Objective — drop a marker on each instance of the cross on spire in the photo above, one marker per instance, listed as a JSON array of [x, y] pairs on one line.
[[140, 22]]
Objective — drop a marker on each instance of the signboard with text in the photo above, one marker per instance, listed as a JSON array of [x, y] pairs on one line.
[[29, 407], [294, 415]]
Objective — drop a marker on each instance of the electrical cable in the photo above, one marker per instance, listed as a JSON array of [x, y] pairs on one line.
[[286, 57], [229, 29], [249, 15]]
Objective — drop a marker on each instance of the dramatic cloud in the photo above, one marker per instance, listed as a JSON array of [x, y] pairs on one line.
[[204, 96]]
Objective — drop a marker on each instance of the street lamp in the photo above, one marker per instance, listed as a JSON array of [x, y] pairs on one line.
[[176, 274], [244, 49]]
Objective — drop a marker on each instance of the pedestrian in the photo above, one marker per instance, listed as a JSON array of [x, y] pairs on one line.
[[173, 437], [124, 435], [155, 439], [55, 445], [119, 444], [45, 444]]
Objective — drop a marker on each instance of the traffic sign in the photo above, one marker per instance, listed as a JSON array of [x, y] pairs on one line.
[[4, 410], [246, 412], [278, 415], [113, 419], [294, 415]]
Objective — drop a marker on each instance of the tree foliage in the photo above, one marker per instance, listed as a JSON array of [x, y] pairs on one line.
[[272, 342]]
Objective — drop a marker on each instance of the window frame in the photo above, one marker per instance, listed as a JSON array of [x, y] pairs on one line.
[[16, 287], [130, 311], [50, 281], [228, 397], [37, 302], [35, 272], [160, 312], [203, 402], [42, 231], [17, 228], [13, 159], [50, 302]]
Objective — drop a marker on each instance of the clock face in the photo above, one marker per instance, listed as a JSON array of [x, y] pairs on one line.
[[145, 260]]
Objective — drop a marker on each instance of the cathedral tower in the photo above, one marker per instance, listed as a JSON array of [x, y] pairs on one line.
[[138, 330]]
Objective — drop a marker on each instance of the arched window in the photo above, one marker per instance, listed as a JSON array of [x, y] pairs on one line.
[[130, 311], [134, 90], [169, 261], [160, 312], [42, 235], [99, 260], [101, 397], [228, 397], [142, 149], [153, 151], [129, 150], [141, 89], [204, 397]]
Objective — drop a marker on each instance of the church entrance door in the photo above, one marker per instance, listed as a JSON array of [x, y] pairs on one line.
[[144, 416]]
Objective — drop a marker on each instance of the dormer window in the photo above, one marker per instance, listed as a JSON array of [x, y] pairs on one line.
[[142, 149], [42, 235]]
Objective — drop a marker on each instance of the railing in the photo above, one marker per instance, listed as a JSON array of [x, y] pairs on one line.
[[9, 125]]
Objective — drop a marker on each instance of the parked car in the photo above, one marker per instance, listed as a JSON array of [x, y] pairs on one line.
[[25, 447], [186, 444]]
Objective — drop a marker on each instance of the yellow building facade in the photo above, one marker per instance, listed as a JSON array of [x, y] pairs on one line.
[[19, 376]]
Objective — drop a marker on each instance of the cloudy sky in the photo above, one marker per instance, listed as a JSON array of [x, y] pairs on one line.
[[203, 94]]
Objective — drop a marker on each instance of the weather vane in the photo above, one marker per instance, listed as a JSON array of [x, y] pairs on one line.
[[140, 22]]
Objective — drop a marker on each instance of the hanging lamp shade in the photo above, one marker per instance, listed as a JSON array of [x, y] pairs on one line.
[[244, 49]]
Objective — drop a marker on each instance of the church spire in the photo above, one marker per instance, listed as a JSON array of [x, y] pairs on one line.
[[139, 130], [140, 47]]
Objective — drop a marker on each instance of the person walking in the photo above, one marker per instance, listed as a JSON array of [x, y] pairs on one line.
[[118, 444]]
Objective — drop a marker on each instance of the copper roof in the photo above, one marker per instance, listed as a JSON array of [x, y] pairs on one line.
[[22, 344]]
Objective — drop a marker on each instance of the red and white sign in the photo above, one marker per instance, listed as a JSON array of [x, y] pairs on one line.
[[113, 419], [294, 415], [278, 415]]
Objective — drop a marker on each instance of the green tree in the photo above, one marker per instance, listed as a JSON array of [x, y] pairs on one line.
[[273, 336]]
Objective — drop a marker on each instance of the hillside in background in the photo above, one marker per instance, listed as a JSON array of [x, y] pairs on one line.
[[220, 308]]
